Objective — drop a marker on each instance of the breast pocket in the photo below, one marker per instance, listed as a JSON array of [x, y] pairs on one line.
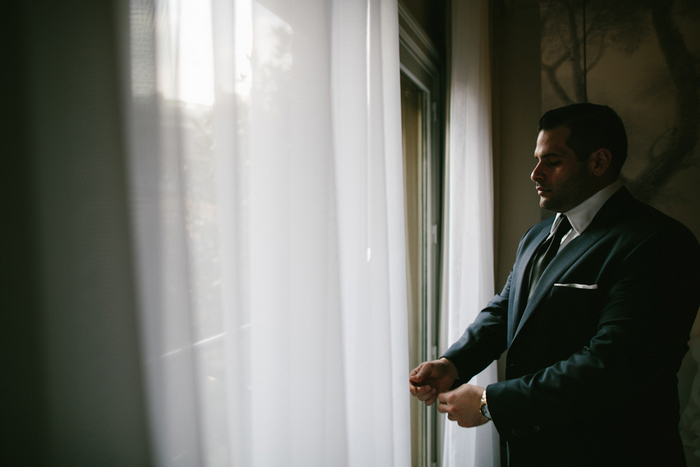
[[572, 314]]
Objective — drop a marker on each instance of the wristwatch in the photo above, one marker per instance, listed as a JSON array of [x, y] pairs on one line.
[[484, 406]]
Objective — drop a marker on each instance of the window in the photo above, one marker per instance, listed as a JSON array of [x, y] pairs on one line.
[[421, 123]]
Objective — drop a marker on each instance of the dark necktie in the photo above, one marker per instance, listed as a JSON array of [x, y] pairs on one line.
[[546, 252]]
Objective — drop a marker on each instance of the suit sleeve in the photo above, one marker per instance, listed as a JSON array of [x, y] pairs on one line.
[[646, 308], [484, 340], [487, 337]]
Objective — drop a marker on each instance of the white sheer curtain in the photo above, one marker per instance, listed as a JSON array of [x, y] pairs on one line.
[[266, 180], [468, 259]]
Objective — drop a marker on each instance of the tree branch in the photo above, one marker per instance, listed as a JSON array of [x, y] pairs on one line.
[[683, 139], [550, 72]]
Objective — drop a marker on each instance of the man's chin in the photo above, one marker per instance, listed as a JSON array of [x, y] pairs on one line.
[[547, 204]]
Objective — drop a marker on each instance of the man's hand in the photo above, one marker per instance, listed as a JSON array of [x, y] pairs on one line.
[[463, 405], [429, 379]]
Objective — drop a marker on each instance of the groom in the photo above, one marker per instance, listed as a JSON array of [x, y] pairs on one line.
[[595, 316]]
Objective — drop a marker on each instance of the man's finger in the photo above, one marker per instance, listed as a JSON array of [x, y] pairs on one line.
[[420, 373], [423, 393], [426, 396], [419, 390]]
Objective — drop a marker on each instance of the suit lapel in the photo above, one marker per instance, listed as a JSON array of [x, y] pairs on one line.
[[559, 265], [521, 273]]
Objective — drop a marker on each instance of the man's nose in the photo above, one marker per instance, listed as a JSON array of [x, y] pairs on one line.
[[536, 175]]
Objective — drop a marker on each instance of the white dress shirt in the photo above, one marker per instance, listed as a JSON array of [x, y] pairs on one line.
[[581, 216]]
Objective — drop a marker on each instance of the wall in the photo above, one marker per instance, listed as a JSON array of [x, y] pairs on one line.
[[516, 105]]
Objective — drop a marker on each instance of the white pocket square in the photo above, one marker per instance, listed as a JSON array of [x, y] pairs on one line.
[[578, 286]]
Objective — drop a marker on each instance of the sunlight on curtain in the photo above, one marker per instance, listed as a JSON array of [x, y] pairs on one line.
[[266, 180], [468, 259]]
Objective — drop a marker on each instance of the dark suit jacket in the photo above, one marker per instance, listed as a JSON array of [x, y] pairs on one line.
[[591, 371]]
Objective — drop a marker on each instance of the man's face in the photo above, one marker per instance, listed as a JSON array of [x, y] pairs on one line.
[[562, 181]]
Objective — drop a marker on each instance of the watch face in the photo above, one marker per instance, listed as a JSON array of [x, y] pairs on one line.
[[485, 411]]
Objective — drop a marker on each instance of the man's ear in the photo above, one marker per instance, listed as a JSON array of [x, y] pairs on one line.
[[599, 161]]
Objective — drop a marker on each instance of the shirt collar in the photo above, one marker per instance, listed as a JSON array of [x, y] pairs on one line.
[[582, 215]]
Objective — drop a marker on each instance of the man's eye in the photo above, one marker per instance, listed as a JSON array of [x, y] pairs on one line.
[[553, 163]]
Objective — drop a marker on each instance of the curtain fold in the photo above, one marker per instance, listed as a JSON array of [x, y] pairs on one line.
[[468, 274], [267, 202]]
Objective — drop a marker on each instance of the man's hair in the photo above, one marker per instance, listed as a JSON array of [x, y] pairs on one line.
[[592, 127]]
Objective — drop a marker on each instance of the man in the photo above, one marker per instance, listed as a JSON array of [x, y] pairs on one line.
[[595, 316]]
